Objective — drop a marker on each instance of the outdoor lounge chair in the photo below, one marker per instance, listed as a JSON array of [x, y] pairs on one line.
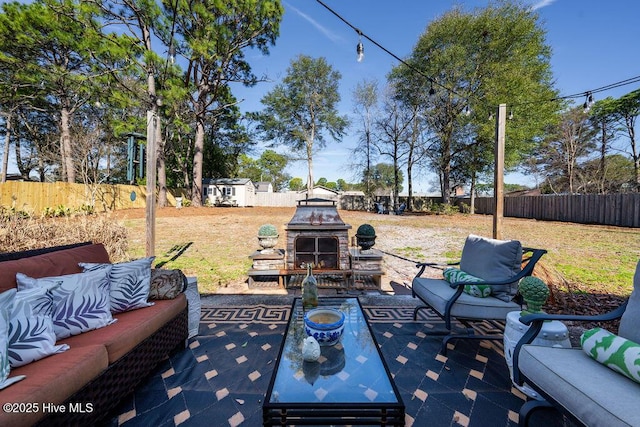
[[496, 263], [590, 390], [380, 208]]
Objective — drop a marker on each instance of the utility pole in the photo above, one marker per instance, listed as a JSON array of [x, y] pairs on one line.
[[498, 179]]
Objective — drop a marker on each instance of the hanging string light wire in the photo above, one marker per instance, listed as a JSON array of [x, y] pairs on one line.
[[587, 93], [388, 52]]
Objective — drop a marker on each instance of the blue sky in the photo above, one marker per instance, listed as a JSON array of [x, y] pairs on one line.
[[594, 43]]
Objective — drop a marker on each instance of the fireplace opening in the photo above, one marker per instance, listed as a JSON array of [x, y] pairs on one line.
[[322, 252]]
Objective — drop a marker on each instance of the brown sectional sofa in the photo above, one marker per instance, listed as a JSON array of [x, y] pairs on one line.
[[102, 366]]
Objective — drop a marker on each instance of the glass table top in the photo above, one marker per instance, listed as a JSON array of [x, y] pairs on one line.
[[351, 371]]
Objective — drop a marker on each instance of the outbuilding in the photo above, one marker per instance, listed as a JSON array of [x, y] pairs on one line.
[[229, 192]]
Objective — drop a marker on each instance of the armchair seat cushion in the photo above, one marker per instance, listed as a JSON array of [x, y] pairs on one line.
[[438, 292], [587, 389]]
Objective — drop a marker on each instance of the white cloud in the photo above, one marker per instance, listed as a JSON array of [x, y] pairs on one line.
[[331, 36], [541, 4]]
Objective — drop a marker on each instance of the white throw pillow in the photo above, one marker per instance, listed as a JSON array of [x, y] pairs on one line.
[[129, 281], [31, 333], [6, 305], [80, 301]]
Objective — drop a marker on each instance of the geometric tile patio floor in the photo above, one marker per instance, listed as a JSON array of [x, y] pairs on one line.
[[222, 377]]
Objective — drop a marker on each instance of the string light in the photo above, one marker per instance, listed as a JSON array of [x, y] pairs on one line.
[[588, 102], [360, 49]]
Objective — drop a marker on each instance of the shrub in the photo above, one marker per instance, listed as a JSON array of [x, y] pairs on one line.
[[366, 230], [19, 233], [267, 230]]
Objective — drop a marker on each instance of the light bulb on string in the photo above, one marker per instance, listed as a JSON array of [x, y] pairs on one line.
[[588, 102], [360, 50]]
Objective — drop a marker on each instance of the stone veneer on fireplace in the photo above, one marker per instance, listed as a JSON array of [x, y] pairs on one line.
[[317, 234]]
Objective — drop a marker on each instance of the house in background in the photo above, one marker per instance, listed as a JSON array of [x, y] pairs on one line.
[[264, 187], [228, 192]]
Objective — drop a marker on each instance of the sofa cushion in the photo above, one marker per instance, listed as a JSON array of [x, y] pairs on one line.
[[31, 333], [437, 292], [129, 283], [493, 260], [6, 305], [617, 353], [631, 318], [80, 301], [51, 264], [52, 380], [590, 391], [455, 275], [131, 328]]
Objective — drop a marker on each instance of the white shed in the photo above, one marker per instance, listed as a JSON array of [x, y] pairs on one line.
[[229, 191]]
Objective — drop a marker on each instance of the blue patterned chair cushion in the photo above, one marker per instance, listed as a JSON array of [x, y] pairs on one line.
[[6, 305], [130, 282], [31, 333], [80, 301]]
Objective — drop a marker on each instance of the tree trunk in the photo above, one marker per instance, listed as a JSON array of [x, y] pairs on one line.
[[310, 161], [196, 189], [5, 153], [65, 145], [603, 158], [472, 195]]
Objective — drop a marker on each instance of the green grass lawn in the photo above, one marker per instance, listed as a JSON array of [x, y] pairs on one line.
[[219, 241]]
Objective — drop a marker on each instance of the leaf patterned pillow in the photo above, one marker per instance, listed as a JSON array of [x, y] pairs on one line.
[[455, 275], [80, 301], [613, 351], [6, 305], [31, 333], [130, 282]]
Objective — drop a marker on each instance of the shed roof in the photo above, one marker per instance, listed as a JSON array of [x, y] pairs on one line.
[[225, 181]]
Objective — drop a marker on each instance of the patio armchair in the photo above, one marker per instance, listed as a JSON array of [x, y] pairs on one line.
[[400, 209], [597, 385], [489, 266], [380, 209]]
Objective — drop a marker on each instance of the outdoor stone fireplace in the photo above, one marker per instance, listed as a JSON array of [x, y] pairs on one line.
[[317, 234]]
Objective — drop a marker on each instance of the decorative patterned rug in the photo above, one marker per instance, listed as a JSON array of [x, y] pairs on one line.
[[221, 379]]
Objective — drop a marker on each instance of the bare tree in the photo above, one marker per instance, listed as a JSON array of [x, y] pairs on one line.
[[393, 131]]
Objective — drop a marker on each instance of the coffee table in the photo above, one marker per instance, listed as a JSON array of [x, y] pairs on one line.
[[350, 384]]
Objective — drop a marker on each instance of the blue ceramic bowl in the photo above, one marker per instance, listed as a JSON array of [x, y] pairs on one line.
[[326, 325]]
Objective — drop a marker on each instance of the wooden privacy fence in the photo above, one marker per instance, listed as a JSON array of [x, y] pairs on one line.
[[621, 210], [35, 197]]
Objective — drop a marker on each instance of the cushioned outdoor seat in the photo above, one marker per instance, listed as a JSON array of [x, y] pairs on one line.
[[490, 262], [584, 389]]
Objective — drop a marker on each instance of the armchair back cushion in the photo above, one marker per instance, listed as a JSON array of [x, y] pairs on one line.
[[631, 318], [493, 260]]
